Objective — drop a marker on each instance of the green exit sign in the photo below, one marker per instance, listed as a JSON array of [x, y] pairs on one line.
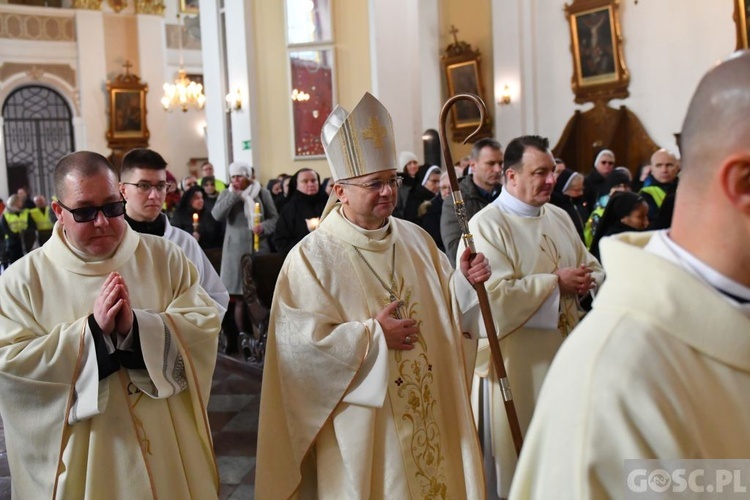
[[245, 145]]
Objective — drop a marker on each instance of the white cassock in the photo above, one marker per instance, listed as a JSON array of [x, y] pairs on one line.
[[141, 431], [658, 369], [525, 245], [342, 416]]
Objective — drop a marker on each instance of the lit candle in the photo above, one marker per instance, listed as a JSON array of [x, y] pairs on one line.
[[256, 236], [195, 223], [312, 224]]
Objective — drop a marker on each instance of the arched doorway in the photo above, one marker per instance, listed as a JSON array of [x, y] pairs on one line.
[[38, 131]]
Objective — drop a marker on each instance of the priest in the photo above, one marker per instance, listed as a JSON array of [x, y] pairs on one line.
[[107, 347], [540, 269], [365, 393], [660, 376]]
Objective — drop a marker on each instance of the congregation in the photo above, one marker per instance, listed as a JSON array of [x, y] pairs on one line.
[[355, 297]]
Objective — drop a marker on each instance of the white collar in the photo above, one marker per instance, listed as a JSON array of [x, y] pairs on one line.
[[509, 204], [662, 245], [373, 234]]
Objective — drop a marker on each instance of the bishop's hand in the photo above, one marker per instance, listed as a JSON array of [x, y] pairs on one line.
[[400, 334], [476, 269]]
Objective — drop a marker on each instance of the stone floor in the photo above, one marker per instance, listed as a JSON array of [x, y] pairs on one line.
[[233, 413]]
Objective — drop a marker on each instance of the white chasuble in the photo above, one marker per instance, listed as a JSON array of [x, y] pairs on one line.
[[524, 252], [147, 435], [660, 374], [417, 440]]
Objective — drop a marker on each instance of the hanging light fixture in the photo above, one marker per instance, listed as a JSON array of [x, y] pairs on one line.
[[183, 93]]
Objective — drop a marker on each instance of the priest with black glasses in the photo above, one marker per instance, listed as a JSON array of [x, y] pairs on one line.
[[107, 347]]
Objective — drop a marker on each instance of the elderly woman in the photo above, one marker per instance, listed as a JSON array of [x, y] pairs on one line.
[[300, 213], [593, 185], [568, 195]]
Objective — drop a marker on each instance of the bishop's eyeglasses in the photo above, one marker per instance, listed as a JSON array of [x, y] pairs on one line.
[[376, 186], [87, 214]]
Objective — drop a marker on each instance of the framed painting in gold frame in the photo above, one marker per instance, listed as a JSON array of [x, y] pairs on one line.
[[189, 6], [741, 14], [599, 70]]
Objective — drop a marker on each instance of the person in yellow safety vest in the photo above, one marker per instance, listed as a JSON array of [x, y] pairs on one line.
[[664, 169], [44, 218], [14, 222], [207, 169]]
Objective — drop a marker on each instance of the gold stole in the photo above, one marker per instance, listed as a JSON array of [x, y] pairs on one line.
[[416, 414]]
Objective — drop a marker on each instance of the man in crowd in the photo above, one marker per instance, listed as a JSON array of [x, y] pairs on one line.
[[14, 223], [364, 388], [478, 189], [44, 219], [540, 269], [593, 184], [660, 375], [664, 170], [207, 169], [106, 354], [143, 184]]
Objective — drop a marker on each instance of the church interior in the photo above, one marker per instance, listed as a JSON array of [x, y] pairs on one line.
[[254, 81], [268, 66]]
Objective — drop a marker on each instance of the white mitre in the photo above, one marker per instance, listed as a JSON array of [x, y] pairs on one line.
[[360, 142]]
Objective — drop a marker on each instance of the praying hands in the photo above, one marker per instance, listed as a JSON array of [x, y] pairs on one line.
[[112, 310]]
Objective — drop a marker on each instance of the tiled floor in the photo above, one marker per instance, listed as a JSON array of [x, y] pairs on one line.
[[233, 413]]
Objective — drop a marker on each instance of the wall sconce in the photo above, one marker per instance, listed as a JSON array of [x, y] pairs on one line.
[[505, 96], [233, 101]]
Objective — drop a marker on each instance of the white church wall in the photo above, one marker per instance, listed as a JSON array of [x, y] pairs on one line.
[[668, 46]]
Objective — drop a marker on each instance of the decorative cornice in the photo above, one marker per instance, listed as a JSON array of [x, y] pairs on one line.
[[87, 4], [37, 71], [155, 7], [118, 5], [18, 26]]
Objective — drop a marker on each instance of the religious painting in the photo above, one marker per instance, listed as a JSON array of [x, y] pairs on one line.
[[463, 78], [189, 6], [741, 14], [127, 113], [462, 69], [599, 71], [311, 92]]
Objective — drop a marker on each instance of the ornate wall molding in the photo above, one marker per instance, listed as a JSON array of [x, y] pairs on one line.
[[34, 27], [155, 7], [87, 4], [117, 5], [36, 71]]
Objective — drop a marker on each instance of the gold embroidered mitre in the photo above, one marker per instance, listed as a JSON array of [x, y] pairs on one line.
[[360, 142]]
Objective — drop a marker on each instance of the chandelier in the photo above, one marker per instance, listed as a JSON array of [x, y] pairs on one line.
[[183, 93]]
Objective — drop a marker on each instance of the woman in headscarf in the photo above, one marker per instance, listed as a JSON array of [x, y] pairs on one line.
[[625, 211], [568, 195], [209, 232], [299, 216], [426, 186]]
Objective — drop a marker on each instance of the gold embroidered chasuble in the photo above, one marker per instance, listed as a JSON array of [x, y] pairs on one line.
[[421, 442], [148, 440], [523, 253]]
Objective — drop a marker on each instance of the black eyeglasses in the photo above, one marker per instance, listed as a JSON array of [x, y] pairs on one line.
[[146, 187], [87, 214]]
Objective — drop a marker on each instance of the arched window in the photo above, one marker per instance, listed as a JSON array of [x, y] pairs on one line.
[[38, 131]]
